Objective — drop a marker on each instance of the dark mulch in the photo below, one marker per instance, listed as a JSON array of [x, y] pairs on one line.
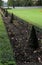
[[19, 33]]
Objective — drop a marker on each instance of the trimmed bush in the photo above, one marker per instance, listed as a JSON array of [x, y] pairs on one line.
[[12, 17], [33, 41], [6, 13]]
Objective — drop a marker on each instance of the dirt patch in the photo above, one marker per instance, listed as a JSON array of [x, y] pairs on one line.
[[15, 22], [19, 33], [41, 11]]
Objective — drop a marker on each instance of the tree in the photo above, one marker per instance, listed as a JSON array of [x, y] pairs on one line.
[[1, 2], [11, 3], [30, 3], [39, 2], [33, 41]]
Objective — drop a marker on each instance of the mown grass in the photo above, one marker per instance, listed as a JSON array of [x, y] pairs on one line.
[[33, 16], [6, 53]]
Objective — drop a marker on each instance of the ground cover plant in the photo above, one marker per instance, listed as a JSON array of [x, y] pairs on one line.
[[33, 15], [6, 54]]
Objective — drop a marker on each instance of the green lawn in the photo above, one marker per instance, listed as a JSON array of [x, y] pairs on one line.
[[33, 16], [6, 54]]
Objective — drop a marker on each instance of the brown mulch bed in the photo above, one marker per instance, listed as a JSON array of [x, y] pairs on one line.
[[19, 33]]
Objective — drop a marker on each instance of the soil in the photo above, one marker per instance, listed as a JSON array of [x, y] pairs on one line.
[[19, 33], [41, 11]]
